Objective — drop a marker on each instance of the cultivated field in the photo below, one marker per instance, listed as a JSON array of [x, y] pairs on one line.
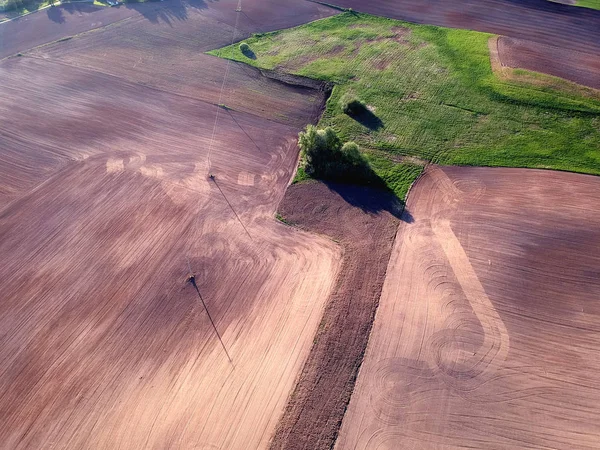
[[486, 334], [364, 222], [105, 206]]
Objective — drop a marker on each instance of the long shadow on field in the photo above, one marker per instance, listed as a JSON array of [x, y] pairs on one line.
[[167, 11], [372, 200], [55, 14], [192, 280], [368, 119]]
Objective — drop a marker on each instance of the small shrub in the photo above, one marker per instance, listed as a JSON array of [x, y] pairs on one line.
[[351, 105], [352, 152]]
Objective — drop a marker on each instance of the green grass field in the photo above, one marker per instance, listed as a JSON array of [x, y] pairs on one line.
[[594, 4], [435, 96]]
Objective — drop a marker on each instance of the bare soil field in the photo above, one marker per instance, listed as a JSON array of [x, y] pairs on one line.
[[364, 222], [487, 330], [105, 206], [568, 64], [171, 57]]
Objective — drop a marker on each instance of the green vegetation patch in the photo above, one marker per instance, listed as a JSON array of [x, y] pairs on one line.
[[429, 94], [594, 4]]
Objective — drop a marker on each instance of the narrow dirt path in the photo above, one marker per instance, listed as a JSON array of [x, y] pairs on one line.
[[364, 222]]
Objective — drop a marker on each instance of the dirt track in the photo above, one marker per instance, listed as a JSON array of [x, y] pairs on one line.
[[487, 331], [365, 223], [568, 64], [104, 198]]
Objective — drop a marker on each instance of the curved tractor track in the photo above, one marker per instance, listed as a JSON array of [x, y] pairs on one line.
[[486, 334]]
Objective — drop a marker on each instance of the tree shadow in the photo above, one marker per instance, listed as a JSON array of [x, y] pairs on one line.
[[80, 7], [371, 199], [168, 11], [366, 118], [361, 187], [55, 14]]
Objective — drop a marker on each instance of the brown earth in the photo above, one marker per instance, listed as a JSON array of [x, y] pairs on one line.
[[364, 222], [568, 64], [487, 330], [106, 206], [171, 58]]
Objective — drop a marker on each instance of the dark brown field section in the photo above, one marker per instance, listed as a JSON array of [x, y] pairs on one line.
[[568, 64], [364, 222], [535, 20], [487, 333]]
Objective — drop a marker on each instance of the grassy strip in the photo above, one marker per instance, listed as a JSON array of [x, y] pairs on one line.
[[433, 95], [594, 4]]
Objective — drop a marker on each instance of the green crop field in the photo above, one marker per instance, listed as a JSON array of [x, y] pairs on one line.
[[433, 97]]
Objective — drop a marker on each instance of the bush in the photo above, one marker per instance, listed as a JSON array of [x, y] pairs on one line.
[[325, 157], [351, 105]]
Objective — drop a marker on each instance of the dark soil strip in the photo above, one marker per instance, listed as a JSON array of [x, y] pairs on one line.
[[364, 222]]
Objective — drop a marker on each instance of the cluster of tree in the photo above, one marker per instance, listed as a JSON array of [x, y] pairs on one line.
[[327, 158]]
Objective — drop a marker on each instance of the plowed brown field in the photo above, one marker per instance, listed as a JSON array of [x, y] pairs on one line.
[[106, 205], [487, 331]]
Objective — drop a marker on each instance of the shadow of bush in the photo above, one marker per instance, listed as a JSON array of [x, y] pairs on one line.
[[360, 112]]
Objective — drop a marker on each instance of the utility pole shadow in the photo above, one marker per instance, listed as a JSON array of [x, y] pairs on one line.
[[214, 180], [192, 280]]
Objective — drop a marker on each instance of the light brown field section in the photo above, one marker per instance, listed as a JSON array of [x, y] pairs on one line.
[[487, 330], [105, 203]]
